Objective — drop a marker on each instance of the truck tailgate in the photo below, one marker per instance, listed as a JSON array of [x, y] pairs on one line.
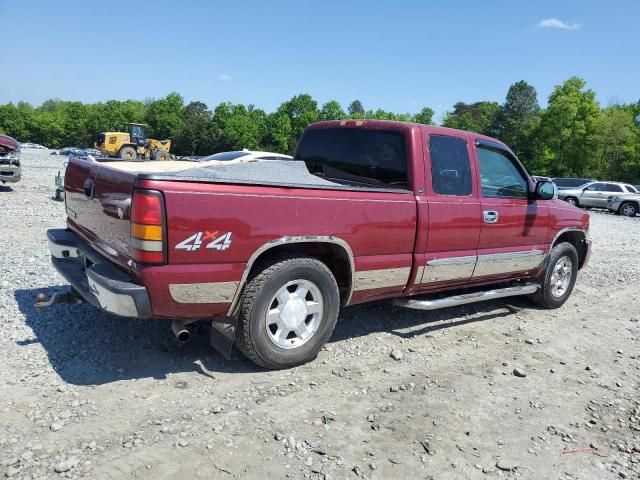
[[98, 202]]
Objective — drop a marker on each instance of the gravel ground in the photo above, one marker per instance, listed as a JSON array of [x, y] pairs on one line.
[[490, 390]]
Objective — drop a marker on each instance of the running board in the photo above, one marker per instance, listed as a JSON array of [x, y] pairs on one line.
[[465, 298]]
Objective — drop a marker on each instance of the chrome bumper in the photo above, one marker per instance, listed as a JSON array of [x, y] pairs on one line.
[[10, 173], [98, 281]]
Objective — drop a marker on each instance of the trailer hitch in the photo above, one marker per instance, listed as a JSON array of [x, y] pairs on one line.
[[72, 296]]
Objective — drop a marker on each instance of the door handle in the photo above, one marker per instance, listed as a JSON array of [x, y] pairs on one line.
[[490, 216]]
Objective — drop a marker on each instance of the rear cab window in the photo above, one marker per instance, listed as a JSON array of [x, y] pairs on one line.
[[450, 166], [354, 156]]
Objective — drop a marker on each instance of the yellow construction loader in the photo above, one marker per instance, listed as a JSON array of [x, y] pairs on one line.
[[133, 144]]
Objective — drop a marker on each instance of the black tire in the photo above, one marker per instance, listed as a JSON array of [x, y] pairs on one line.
[[545, 296], [252, 338], [128, 153], [628, 209], [161, 156], [572, 201]]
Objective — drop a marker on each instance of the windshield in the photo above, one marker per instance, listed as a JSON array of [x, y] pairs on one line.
[[225, 156], [355, 156]]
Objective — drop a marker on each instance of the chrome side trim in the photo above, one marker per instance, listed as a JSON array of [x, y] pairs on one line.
[[289, 240], [215, 292], [465, 298], [497, 263], [453, 268], [382, 278]]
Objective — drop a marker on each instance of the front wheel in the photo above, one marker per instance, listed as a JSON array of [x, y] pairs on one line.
[[161, 156], [559, 277], [628, 209], [572, 201], [288, 312]]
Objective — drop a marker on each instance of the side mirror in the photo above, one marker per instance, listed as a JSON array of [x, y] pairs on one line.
[[546, 190]]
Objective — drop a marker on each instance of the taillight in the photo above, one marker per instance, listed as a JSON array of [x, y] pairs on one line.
[[147, 227]]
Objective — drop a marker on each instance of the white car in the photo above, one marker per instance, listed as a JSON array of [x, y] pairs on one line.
[[595, 194], [245, 155]]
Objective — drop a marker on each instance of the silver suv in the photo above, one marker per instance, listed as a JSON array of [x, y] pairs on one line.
[[627, 204], [595, 194]]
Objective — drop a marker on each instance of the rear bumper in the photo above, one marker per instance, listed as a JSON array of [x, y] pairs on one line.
[[97, 280], [10, 173]]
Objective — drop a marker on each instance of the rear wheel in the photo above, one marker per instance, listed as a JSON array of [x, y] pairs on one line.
[[628, 209], [287, 312], [559, 278], [572, 201], [128, 153]]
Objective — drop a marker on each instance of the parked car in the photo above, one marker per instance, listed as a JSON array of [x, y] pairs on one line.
[[627, 204], [564, 183], [69, 151], [271, 251], [245, 155], [594, 194], [10, 169]]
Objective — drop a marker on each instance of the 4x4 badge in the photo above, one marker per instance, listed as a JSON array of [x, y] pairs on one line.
[[221, 242]]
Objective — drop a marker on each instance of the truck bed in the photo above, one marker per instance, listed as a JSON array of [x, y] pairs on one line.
[[276, 173]]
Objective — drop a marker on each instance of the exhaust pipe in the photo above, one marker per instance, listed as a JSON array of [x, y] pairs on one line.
[[180, 330]]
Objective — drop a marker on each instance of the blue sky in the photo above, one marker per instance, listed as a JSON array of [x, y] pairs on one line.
[[396, 55]]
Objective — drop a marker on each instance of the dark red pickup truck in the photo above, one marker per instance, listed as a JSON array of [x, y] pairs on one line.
[[270, 250]]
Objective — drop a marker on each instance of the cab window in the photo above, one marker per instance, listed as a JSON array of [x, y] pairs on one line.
[[450, 166], [500, 177], [596, 187]]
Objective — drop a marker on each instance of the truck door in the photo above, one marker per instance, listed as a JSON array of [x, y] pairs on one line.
[[454, 213], [514, 227]]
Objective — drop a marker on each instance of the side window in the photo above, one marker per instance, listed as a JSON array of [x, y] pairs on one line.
[[612, 187], [500, 177], [450, 165], [595, 187]]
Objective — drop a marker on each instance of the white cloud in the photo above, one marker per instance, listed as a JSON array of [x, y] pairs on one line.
[[556, 23], [224, 77]]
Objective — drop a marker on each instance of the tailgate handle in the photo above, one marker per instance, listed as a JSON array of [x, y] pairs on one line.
[[89, 188]]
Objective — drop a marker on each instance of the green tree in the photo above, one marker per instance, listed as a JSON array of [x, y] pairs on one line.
[[568, 130], [197, 135], [301, 110], [278, 133], [164, 116], [332, 110], [516, 115], [424, 116], [619, 145], [356, 108], [475, 117]]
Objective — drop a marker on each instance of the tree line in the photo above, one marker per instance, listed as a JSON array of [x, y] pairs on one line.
[[572, 136]]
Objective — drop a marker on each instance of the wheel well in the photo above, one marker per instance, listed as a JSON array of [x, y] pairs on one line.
[[578, 239], [334, 256], [637, 204]]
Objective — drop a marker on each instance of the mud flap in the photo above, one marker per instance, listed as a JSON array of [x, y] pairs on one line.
[[223, 334]]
